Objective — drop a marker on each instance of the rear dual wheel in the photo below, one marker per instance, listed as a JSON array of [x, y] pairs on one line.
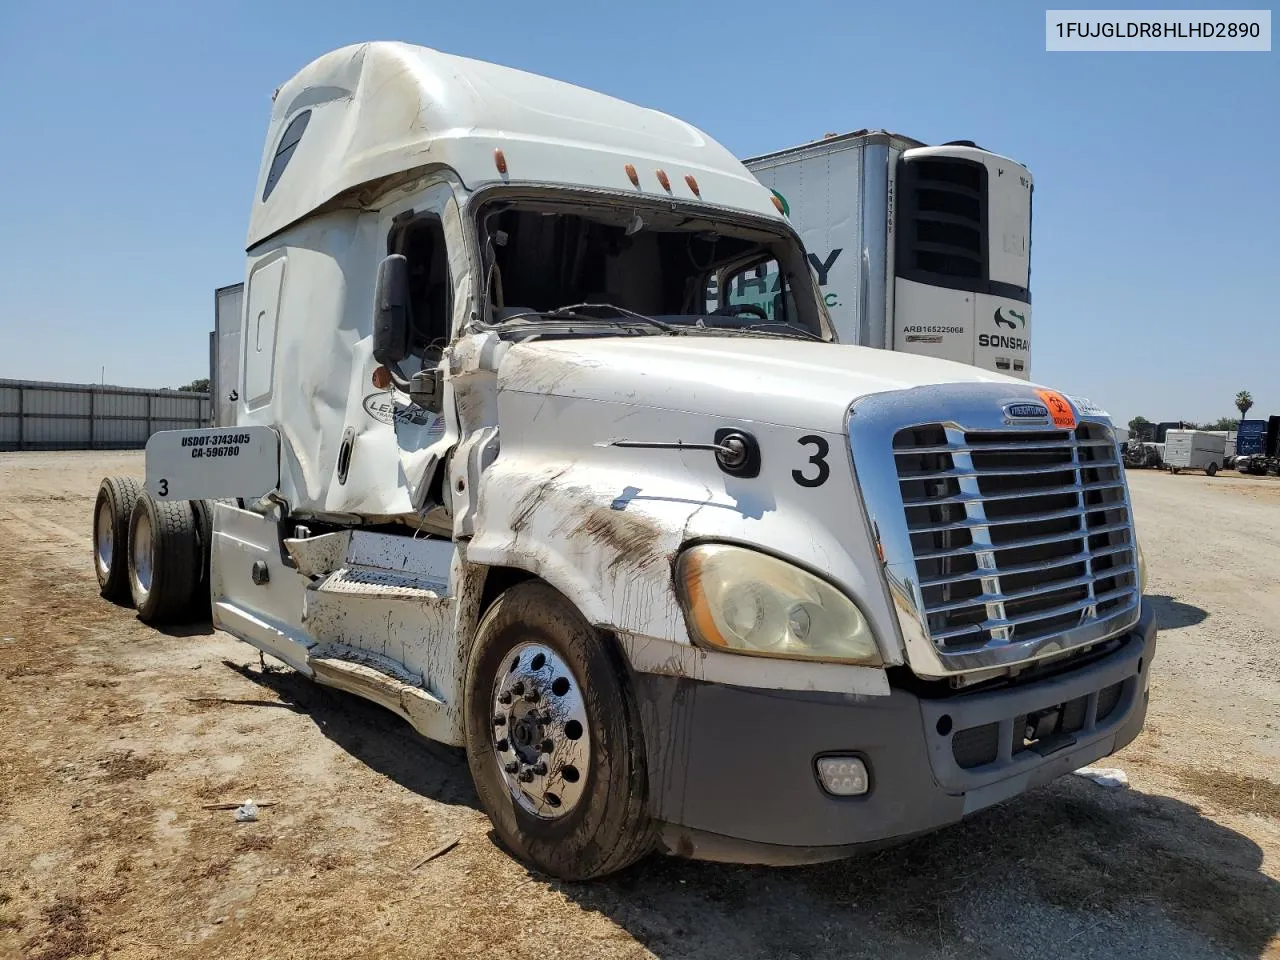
[[153, 554], [164, 562], [111, 512]]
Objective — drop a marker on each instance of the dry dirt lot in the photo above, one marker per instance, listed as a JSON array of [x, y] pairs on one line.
[[113, 736]]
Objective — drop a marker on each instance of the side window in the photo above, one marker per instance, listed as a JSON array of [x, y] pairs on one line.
[[764, 286], [422, 242], [284, 152]]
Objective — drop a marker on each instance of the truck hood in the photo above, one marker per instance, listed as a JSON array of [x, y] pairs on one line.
[[790, 382]]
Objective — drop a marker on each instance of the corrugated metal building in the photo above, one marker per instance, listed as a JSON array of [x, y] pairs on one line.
[[76, 416]]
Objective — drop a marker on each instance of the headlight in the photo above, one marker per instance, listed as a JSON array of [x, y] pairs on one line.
[[1142, 569], [748, 602]]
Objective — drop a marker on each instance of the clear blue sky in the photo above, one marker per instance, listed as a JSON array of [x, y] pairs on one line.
[[130, 136]]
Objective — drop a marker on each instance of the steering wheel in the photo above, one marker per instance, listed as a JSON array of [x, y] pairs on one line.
[[738, 309]]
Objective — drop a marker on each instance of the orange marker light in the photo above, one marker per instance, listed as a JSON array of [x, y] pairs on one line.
[[381, 377], [778, 204], [632, 175], [662, 179], [693, 184], [500, 161]]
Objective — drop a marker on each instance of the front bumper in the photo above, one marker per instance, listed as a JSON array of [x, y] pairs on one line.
[[732, 773]]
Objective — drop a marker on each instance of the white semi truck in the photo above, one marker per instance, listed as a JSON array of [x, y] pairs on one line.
[[919, 249], [679, 576]]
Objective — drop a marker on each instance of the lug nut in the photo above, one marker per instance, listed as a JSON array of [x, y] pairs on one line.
[[511, 766], [499, 720], [539, 768], [504, 698], [525, 776], [532, 695], [547, 746], [502, 745], [544, 717], [518, 688]]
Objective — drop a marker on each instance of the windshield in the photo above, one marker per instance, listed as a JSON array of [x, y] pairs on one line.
[[573, 269]]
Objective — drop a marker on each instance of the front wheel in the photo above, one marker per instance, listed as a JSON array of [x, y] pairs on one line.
[[553, 738]]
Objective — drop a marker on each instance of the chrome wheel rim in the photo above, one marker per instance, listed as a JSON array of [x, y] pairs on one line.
[[104, 539], [541, 738], [141, 568]]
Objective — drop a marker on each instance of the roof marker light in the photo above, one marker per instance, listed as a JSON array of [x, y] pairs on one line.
[[632, 175], [664, 180], [500, 161], [693, 184]]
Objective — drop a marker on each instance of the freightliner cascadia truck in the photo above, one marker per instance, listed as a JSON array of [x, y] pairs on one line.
[[680, 576]]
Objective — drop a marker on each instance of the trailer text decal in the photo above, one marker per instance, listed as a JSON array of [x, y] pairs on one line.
[[215, 445]]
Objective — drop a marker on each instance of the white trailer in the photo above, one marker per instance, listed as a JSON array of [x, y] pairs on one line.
[[679, 576], [1194, 450], [919, 249]]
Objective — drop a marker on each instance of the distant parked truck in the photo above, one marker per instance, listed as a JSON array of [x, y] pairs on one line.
[[1258, 447], [1194, 450]]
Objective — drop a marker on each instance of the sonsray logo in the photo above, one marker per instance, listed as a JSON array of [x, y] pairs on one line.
[[1008, 343], [1004, 321]]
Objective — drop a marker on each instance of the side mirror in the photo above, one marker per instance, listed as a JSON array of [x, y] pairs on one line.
[[391, 311]]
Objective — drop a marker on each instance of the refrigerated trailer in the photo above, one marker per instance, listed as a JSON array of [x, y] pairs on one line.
[[918, 249], [680, 576]]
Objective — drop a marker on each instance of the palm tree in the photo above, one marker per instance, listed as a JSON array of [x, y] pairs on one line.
[[1244, 400]]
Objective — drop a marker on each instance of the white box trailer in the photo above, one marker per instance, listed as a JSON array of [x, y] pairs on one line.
[[919, 249], [678, 575], [1194, 450]]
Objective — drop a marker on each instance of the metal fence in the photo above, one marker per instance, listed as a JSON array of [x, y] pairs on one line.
[[77, 416]]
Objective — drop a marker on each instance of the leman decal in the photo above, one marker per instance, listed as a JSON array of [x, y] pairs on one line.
[[383, 408], [1008, 343]]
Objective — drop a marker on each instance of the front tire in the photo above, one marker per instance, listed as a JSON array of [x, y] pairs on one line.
[[163, 558], [1212, 469], [553, 738]]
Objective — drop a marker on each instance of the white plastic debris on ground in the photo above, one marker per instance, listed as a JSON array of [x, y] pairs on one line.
[[247, 812], [1105, 776]]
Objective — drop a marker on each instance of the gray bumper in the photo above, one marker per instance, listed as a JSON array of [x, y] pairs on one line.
[[732, 773]]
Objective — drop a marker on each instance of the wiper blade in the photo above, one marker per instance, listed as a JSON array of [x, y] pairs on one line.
[[574, 311], [790, 330]]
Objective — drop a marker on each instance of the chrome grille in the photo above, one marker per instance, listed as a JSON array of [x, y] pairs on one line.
[[1017, 535]]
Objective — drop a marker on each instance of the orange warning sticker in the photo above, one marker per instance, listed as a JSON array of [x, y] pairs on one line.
[[1064, 417]]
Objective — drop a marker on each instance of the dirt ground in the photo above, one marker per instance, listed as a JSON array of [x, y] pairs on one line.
[[113, 736]]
